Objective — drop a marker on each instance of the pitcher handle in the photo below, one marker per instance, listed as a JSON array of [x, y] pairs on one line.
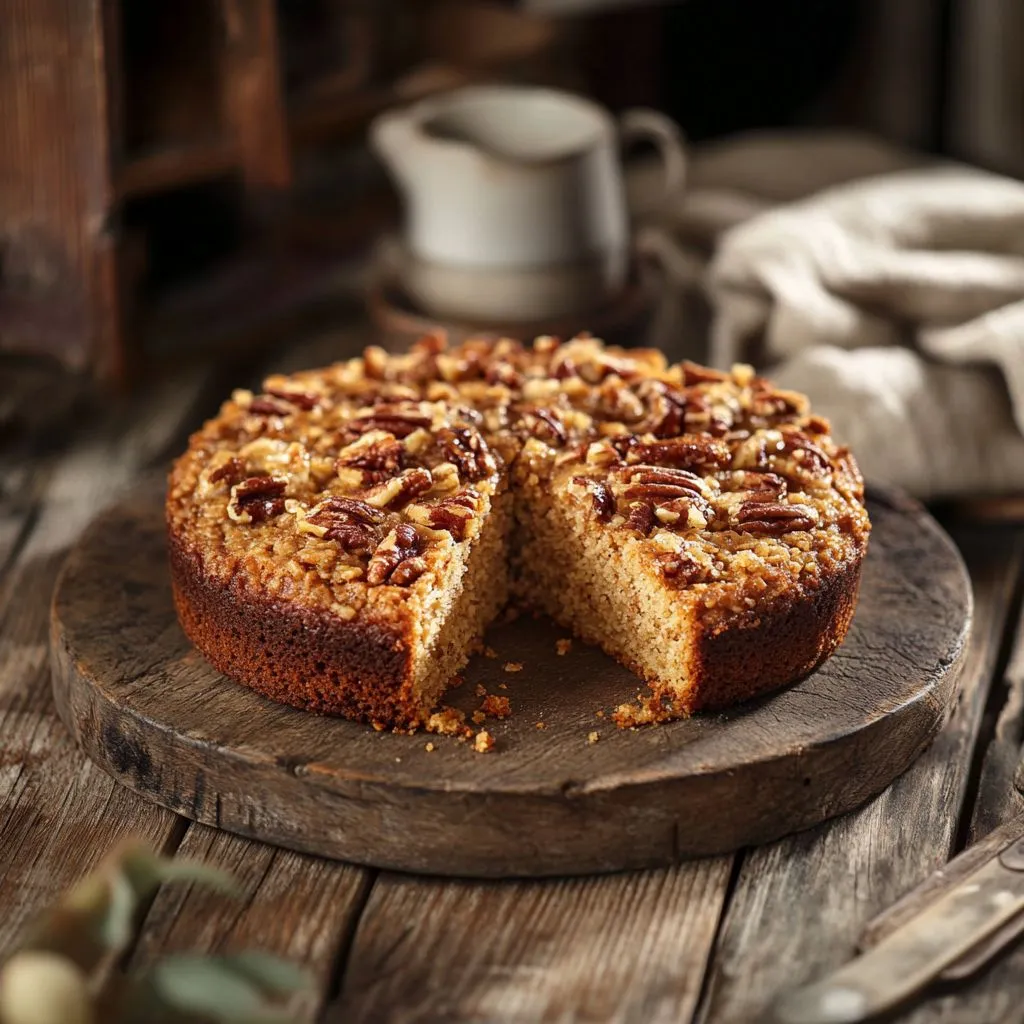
[[652, 126]]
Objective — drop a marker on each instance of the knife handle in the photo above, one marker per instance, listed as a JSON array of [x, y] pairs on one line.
[[953, 926]]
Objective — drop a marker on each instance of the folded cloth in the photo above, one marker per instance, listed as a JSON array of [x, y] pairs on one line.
[[896, 301]]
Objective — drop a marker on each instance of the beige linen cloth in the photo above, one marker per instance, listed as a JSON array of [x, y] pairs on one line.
[[890, 292]]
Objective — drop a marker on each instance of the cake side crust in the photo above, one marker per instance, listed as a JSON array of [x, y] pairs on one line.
[[778, 644], [295, 655]]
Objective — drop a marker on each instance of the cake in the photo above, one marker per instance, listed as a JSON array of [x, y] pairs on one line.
[[341, 540]]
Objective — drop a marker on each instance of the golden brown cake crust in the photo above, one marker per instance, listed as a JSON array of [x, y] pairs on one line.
[[318, 529]]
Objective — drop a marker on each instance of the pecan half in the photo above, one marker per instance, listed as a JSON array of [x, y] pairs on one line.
[[304, 400], [400, 422], [453, 514], [642, 481], [810, 457], [693, 373], [231, 472], [266, 405], [756, 484], [257, 499], [761, 517], [641, 517], [543, 423], [399, 488], [350, 522], [600, 496], [685, 452], [377, 461], [468, 450], [400, 547]]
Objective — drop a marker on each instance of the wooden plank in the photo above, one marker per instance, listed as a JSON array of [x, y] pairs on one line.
[[993, 995], [299, 907], [58, 813], [800, 904], [629, 947]]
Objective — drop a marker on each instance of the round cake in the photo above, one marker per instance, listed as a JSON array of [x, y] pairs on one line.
[[341, 540]]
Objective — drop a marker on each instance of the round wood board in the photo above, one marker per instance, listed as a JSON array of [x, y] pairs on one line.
[[147, 708]]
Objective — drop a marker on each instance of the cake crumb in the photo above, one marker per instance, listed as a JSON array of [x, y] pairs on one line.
[[599, 713], [481, 690], [495, 706], [648, 710], [502, 686], [513, 666], [563, 646], [448, 722], [479, 718], [378, 726], [593, 737], [490, 652], [484, 742], [429, 748], [542, 725], [511, 614]]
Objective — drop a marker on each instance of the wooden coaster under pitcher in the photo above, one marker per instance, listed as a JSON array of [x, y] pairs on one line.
[[514, 197]]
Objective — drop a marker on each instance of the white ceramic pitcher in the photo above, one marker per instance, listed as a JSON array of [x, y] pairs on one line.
[[510, 178]]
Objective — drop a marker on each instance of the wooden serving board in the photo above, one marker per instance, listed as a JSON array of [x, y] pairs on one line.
[[147, 707]]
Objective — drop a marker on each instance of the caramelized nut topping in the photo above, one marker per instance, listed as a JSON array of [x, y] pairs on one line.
[[257, 499], [400, 547]]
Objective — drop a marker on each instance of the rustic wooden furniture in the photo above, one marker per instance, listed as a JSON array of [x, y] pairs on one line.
[[711, 940], [194, 171]]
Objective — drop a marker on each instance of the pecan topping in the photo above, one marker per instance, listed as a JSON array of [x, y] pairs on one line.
[[265, 405], [466, 449], [350, 522], [256, 499], [547, 423], [759, 486], [399, 488], [503, 373], [693, 373], [400, 422], [231, 471], [396, 558], [684, 452], [641, 517], [378, 460], [453, 514], [762, 517], [658, 482], [810, 457], [604, 503], [304, 400]]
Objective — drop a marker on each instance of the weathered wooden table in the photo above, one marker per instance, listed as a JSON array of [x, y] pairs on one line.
[[710, 941]]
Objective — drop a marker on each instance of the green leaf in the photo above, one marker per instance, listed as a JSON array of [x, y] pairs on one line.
[[222, 988], [273, 974]]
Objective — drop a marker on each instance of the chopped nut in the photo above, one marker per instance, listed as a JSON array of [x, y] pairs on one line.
[[563, 646], [406, 485], [513, 666], [257, 499], [481, 690], [401, 545]]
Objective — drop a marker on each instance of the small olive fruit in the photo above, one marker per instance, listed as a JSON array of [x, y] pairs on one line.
[[37, 987]]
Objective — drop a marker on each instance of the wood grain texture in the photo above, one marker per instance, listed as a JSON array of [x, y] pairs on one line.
[[59, 814], [298, 907], [800, 905], [148, 708], [629, 947]]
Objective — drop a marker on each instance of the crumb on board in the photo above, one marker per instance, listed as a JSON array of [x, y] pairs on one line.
[[490, 652], [541, 725], [563, 646], [648, 710], [479, 718], [429, 748], [481, 690], [593, 737], [511, 614], [484, 742], [502, 686], [496, 707], [448, 722], [513, 666], [378, 726], [599, 713]]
